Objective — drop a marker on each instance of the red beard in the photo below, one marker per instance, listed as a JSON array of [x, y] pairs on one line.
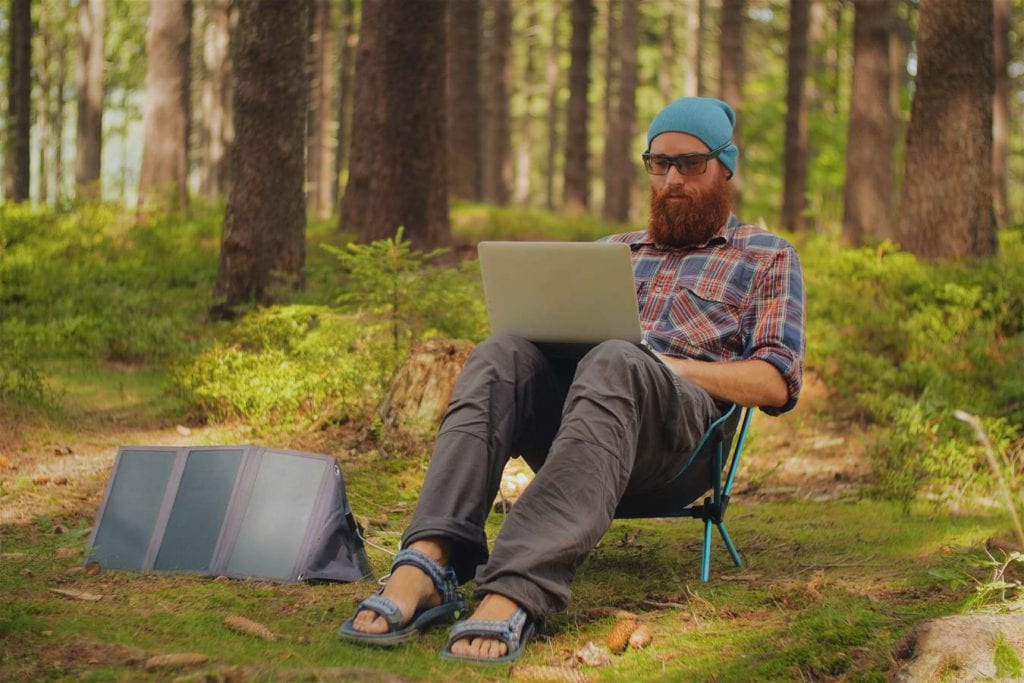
[[691, 219]]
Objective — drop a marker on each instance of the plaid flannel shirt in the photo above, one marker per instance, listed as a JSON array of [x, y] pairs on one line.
[[739, 296]]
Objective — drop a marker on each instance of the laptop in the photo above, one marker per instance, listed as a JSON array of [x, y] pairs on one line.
[[568, 294]]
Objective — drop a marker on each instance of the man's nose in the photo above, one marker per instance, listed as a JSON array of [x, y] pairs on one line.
[[674, 177]]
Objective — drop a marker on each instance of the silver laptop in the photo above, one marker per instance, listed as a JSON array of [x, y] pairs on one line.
[[574, 293]]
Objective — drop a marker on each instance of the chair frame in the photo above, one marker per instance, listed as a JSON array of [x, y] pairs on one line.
[[712, 509]]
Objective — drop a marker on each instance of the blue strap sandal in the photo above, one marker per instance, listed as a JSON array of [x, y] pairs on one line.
[[514, 632], [453, 604]]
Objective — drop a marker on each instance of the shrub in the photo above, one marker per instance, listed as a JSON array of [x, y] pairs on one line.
[[290, 364], [902, 343], [87, 283], [396, 285]]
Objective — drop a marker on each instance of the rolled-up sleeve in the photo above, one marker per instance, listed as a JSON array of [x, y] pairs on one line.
[[777, 322]]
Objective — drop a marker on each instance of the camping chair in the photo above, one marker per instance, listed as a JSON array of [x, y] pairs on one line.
[[674, 500]]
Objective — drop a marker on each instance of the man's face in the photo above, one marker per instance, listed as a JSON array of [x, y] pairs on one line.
[[687, 210]]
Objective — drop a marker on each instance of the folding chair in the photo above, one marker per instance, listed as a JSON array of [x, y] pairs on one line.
[[708, 461]]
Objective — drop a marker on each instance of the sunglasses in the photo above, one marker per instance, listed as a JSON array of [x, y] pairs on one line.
[[694, 163]]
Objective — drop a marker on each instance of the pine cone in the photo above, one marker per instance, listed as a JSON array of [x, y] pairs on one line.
[[641, 637], [249, 627], [178, 660], [619, 637], [557, 674]]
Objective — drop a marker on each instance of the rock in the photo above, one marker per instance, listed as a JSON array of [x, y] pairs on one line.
[[958, 648], [593, 654]]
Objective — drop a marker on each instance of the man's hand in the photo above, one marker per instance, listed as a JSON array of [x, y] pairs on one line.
[[745, 382]]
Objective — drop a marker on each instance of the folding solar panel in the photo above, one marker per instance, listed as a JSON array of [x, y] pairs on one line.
[[238, 511]]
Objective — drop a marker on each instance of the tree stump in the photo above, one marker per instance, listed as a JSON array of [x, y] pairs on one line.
[[423, 387]]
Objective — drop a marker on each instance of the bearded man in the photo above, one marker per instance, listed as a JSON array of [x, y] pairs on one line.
[[721, 306]]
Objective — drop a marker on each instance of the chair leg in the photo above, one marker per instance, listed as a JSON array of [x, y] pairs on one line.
[[705, 558], [729, 545]]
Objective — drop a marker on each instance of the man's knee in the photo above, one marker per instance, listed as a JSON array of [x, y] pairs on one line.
[[611, 358], [502, 346]]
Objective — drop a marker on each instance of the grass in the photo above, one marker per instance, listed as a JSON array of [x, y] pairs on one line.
[[827, 591]]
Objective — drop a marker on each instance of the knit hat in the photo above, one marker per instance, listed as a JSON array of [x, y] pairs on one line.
[[705, 118]]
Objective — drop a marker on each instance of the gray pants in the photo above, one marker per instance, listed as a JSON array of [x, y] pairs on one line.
[[615, 421]]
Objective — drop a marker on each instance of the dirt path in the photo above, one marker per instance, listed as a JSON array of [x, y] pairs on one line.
[[46, 472], [46, 469]]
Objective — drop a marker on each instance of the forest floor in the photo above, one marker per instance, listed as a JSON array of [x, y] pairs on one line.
[[833, 579]]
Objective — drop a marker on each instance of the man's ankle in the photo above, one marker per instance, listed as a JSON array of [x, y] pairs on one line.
[[437, 548]]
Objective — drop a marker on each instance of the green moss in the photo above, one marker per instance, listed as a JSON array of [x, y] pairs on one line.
[[1007, 660]]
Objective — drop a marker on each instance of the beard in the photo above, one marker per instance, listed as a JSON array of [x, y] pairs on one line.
[[683, 217]]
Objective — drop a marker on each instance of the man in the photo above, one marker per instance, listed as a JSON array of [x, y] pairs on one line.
[[721, 305]]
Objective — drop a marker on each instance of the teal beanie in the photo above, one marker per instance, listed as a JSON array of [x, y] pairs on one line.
[[705, 118]]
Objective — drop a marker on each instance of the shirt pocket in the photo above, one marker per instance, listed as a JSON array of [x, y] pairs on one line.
[[706, 317]]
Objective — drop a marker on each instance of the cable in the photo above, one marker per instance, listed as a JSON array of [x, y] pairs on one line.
[[359, 532]]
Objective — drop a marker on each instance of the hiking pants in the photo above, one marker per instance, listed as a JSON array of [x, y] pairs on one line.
[[616, 420]]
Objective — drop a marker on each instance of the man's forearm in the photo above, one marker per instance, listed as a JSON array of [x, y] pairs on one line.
[[746, 382]]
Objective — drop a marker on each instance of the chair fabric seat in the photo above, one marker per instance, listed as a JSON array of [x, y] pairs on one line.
[[689, 484], [701, 473]]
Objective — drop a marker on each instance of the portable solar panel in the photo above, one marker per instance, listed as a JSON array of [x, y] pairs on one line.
[[238, 511]]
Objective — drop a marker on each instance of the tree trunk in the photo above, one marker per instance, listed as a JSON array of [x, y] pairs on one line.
[[122, 131], [497, 142], [19, 97], [552, 81], [43, 76], [576, 191], [869, 146], [465, 137], [620, 164], [163, 177], [523, 156], [901, 37], [611, 85], [669, 66], [945, 214], [347, 40], [795, 162], [822, 57], [264, 222], [367, 116], [58, 118], [1001, 111], [410, 180], [319, 166], [214, 100], [423, 387], [731, 74], [694, 83], [89, 135]]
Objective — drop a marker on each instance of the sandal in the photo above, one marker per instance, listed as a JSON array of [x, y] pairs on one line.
[[515, 632], [453, 604]]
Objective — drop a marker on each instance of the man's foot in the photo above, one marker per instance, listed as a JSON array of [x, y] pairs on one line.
[[493, 607], [409, 587]]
